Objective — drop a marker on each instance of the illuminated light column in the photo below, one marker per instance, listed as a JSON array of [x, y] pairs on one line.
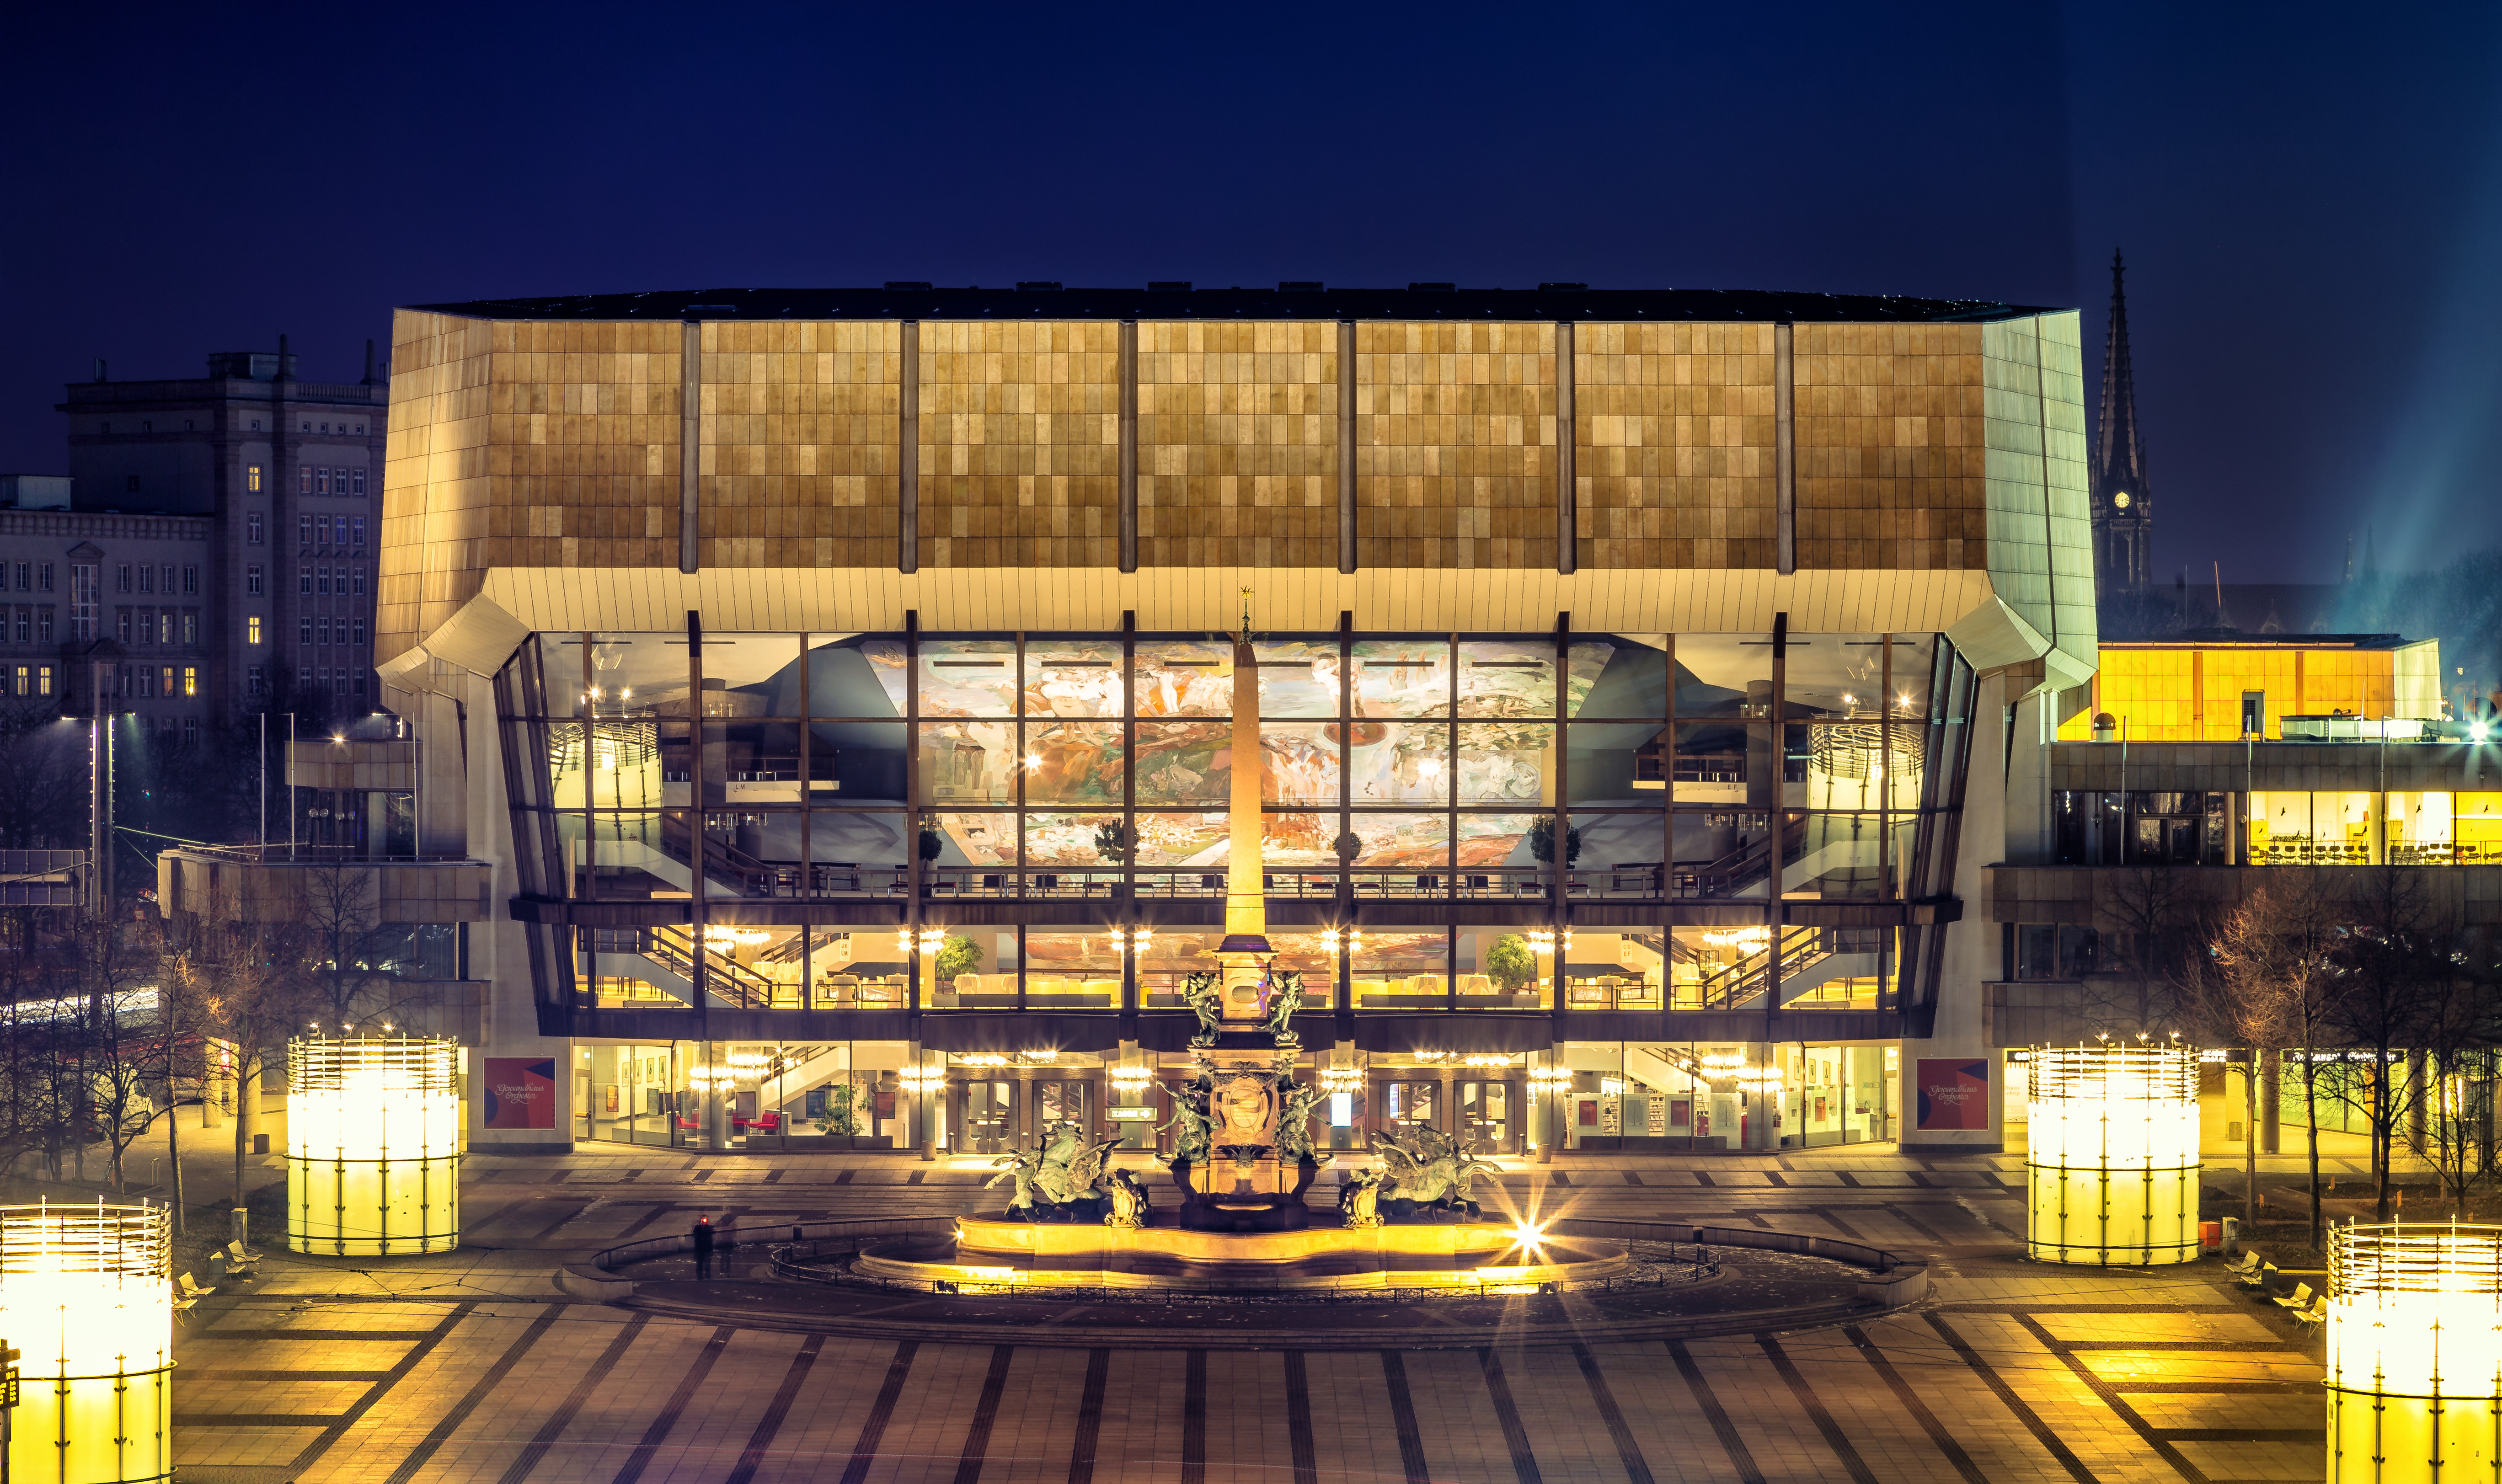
[[373, 1145], [2415, 1352], [86, 1298], [1246, 887], [2111, 1164]]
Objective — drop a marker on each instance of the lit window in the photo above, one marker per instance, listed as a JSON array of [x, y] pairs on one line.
[[164, 625], [252, 476], [190, 679], [43, 680], [252, 629], [190, 625], [166, 680], [252, 579]]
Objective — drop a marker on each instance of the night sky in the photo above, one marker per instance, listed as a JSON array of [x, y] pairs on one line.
[[2310, 197]]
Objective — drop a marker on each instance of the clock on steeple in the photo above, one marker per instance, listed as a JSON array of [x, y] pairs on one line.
[[2124, 513]]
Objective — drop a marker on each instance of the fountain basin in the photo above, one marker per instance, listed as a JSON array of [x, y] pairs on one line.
[[992, 1250]]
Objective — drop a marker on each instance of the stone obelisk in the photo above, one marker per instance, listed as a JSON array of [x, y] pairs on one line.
[[1246, 894]]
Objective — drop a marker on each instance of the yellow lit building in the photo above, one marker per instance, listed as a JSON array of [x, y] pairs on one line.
[[2219, 691]]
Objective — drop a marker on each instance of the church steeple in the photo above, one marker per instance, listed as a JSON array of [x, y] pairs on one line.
[[2124, 508]]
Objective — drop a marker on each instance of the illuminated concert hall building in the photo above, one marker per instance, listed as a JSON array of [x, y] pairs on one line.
[[848, 688]]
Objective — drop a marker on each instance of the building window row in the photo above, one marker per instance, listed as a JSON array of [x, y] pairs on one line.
[[2278, 828], [325, 582], [2046, 951], [32, 680], [31, 576], [331, 530], [146, 577], [157, 626], [325, 427], [148, 681], [322, 479], [32, 625], [342, 681], [320, 627]]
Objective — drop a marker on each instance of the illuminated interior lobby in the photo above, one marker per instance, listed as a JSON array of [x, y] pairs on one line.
[[857, 695]]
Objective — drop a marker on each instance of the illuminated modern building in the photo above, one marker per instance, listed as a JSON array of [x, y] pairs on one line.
[[2290, 688], [842, 687]]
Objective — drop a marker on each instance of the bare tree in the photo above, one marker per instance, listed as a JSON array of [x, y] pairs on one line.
[[2244, 1004], [2151, 954], [118, 1024], [184, 1020], [2386, 959], [344, 948], [2274, 956]]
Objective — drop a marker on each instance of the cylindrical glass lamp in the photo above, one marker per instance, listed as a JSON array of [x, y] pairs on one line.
[[373, 1145], [2112, 1161], [85, 1297], [2415, 1352]]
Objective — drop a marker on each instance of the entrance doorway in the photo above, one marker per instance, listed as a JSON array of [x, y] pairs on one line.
[[1488, 1115], [1405, 1104], [986, 1116], [1064, 1102]]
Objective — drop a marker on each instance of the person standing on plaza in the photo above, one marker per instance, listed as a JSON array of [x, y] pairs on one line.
[[703, 1246]]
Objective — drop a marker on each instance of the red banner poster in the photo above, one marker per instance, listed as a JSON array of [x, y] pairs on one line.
[[1954, 1094], [520, 1092]]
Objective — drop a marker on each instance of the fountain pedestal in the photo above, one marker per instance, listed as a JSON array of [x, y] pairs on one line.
[[1258, 1194]]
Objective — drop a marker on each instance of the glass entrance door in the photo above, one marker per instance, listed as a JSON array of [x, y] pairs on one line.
[[986, 1121], [1405, 1104], [1486, 1115], [1056, 1102]]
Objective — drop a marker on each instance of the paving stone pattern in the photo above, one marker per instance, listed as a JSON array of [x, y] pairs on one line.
[[472, 1367]]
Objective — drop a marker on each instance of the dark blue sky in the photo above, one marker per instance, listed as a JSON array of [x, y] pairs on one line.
[[2310, 197]]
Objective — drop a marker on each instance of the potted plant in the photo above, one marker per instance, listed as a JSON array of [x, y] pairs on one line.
[[1541, 842], [1510, 963], [839, 1120]]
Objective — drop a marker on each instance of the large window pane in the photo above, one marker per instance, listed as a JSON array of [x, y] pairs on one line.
[[761, 671], [1507, 678], [1507, 762], [1833, 856], [1182, 839], [1397, 840], [1053, 838], [856, 762], [1298, 839], [1183, 678], [560, 677], [1401, 968], [858, 854], [974, 839], [968, 677], [640, 672], [855, 675], [1835, 676], [1721, 763], [1073, 968], [1299, 763], [968, 763], [1631, 683], [1399, 762], [1073, 763], [1074, 676], [1403, 677], [1297, 677], [1723, 675], [1184, 762]]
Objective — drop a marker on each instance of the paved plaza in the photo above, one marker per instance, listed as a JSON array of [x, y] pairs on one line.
[[475, 1366]]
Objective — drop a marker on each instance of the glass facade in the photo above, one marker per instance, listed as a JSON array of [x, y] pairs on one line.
[[1423, 785], [2278, 828]]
